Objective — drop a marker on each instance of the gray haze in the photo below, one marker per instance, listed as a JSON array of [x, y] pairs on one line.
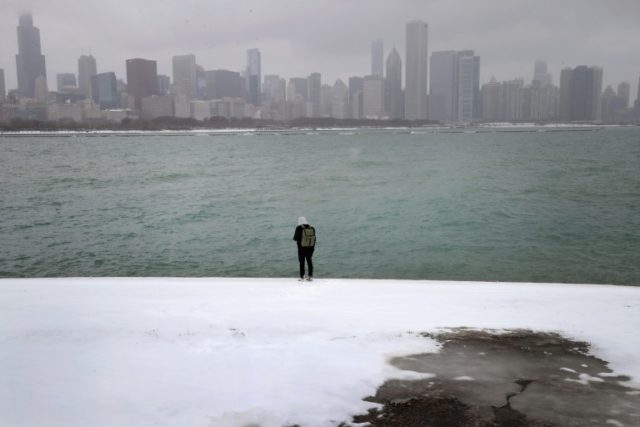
[[333, 37]]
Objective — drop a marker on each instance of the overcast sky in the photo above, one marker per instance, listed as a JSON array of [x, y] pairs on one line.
[[298, 37]]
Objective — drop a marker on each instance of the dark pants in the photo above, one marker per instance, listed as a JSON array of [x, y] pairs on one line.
[[305, 254]]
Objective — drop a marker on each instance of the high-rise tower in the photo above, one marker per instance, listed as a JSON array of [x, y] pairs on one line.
[[105, 90], [624, 93], [223, 84], [373, 97], [142, 79], [185, 75], [65, 81], [394, 101], [313, 98], [443, 86], [454, 86], [356, 85], [298, 86], [415, 95], [254, 76], [468, 86], [86, 70], [340, 100], [30, 63], [566, 76], [2, 89], [581, 93], [637, 103], [377, 58], [540, 73]]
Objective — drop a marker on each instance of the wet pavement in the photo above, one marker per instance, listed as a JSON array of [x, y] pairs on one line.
[[508, 379]]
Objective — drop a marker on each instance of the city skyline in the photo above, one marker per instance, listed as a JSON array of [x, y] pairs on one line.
[[587, 35]]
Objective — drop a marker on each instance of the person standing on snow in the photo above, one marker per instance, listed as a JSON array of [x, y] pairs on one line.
[[305, 237]]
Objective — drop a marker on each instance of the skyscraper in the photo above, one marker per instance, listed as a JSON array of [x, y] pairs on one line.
[[624, 93], [373, 97], [377, 58], [637, 103], [511, 100], [298, 86], [275, 89], [540, 73], [539, 102], [65, 81], [86, 69], [164, 84], [608, 104], [394, 101], [223, 84], [614, 105], [297, 94], [185, 77], [325, 100], [313, 98], [30, 62], [142, 79], [565, 94], [355, 97], [491, 100], [2, 88], [454, 86], [339, 100], [254, 76], [443, 86], [105, 90], [580, 93], [201, 83], [415, 94], [586, 93], [274, 97], [41, 90], [468, 86]]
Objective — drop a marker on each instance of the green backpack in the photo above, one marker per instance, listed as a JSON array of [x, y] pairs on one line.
[[308, 239]]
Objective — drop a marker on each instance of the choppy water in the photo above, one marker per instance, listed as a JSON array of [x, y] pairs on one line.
[[553, 206]]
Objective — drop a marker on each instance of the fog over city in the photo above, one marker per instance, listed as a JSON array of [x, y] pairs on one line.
[[332, 37]]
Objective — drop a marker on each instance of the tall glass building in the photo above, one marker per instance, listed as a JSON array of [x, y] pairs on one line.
[[105, 90], [30, 63], [86, 70], [468, 86], [254, 76], [415, 94]]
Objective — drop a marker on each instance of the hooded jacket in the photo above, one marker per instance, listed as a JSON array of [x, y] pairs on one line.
[[302, 223]]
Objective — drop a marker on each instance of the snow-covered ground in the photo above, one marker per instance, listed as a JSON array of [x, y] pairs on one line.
[[231, 352]]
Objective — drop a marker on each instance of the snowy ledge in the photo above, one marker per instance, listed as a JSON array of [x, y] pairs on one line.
[[231, 351]]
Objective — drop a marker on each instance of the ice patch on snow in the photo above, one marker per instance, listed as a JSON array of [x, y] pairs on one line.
[[608, 374], [585, 379]]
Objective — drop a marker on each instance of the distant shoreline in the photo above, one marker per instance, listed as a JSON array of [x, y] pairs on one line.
[[485, 128]]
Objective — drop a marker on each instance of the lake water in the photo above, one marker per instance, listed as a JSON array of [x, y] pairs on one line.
[[513, 206]]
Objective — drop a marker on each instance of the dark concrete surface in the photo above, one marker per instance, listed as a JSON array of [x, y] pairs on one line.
[[507, 379]]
